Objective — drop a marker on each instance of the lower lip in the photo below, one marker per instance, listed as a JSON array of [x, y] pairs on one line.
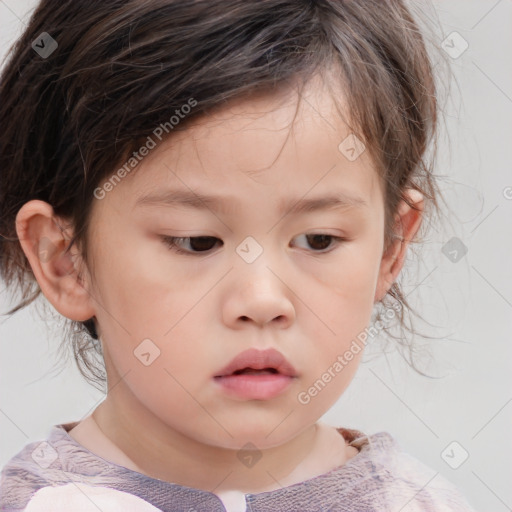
[[255, 387]]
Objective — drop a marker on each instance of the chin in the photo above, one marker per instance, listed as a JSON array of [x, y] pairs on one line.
[[263, 432]]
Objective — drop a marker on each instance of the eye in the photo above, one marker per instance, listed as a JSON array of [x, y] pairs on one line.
[[198, 244], [322, 241], [202, 244]]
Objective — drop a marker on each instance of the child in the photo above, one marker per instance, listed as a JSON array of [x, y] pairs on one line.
[[135, 131]]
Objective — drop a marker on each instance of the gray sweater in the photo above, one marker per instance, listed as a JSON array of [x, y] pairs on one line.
[[60, 475]]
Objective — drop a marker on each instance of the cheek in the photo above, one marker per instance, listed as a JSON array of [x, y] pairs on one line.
[[137, 288], [142, 294], [344, 304], [328, 381], [345, 297], [358, 279]]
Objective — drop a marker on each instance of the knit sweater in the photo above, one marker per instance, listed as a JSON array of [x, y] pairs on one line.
[[60, 475]]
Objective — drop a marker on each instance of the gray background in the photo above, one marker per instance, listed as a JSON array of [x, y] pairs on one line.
[[469, 302]]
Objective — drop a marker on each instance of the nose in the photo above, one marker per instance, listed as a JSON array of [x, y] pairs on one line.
[[258, 295]]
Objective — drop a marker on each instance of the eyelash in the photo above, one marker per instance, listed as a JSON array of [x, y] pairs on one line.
[[171, 243]]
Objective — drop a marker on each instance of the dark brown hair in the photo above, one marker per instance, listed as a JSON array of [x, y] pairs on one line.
[[123, 67]]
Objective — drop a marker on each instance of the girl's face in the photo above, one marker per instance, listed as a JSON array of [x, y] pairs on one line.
[[170, 321]]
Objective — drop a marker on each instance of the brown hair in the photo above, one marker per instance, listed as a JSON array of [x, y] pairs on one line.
[[123, 67]]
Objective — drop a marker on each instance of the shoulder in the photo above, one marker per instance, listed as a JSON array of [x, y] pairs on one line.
[[42, 468], [24, 474], [60, 475], [396, 479]]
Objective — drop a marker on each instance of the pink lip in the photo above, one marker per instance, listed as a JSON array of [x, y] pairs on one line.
[[256, 386], [258, 360]]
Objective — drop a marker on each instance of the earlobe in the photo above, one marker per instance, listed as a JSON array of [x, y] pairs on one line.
[[44, 241], [407, 223]]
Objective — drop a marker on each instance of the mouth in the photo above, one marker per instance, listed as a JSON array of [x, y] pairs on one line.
[[256, 375], [253, 371], [254, 360]]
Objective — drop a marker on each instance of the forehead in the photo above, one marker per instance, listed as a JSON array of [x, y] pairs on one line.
[[279, 146]]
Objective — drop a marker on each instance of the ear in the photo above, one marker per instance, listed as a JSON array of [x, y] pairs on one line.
[[407, 223], [44, 240]]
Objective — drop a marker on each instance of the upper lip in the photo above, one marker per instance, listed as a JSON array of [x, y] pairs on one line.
[[259, 360]]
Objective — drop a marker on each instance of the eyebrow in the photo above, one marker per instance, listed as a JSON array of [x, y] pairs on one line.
[[189, 199]]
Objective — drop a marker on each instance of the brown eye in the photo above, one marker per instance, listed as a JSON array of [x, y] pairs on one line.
[[198, 244], [321, 241]]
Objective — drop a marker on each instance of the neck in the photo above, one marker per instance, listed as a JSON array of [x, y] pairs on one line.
[[161, 452]]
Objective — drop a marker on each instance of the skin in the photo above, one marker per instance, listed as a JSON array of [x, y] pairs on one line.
[[169, 420]]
